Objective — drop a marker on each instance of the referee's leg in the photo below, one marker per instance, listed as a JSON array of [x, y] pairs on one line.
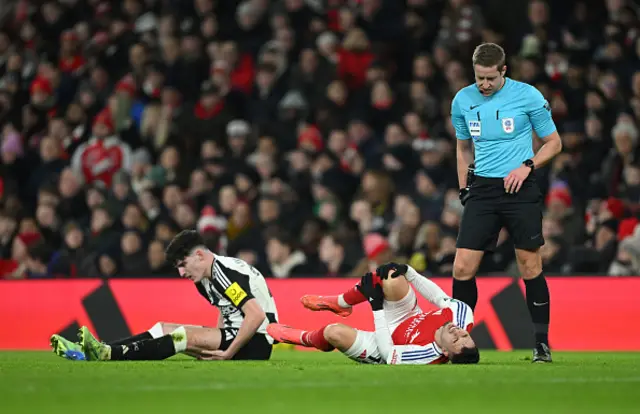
[[523, 219], [479, 229]]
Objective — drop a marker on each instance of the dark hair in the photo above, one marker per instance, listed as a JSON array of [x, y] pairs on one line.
[[283, 238], [466, 356], [182, 245], [489, 55], [40, 252]]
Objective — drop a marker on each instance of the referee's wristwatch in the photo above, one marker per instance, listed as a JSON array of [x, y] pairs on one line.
[[529, 163]]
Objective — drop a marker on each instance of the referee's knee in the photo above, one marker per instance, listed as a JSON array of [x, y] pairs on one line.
[[466, 263]]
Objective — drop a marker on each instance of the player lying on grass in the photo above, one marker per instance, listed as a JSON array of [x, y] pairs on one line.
[[236, 288], [404, 334]]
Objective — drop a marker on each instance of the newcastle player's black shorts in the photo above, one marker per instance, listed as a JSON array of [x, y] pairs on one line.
[[489, 208], [258, 347]]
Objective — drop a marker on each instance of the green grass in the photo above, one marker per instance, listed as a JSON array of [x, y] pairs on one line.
[[312, 382]]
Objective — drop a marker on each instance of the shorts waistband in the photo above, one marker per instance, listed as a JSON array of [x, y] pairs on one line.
[[488, 180], [491, 181]]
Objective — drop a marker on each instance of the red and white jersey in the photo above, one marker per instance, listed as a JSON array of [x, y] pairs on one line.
[[100, 159], [414, 339]]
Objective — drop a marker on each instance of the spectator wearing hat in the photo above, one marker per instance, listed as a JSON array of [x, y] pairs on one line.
[[377, 251], [238, 132], [560, 206]]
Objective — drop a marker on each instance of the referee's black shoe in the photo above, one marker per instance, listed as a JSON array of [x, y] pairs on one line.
[[541, 353]]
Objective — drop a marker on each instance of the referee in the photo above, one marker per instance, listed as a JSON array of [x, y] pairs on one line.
[[497, 184]]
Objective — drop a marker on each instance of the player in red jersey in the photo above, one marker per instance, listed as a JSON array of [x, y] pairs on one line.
[[404, 334]]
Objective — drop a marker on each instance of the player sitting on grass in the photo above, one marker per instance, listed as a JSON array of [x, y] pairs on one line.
[[403, 333], [236, 288]]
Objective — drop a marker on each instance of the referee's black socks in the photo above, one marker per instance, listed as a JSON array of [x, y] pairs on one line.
[[466, 291], [151, 349], [538, 303]]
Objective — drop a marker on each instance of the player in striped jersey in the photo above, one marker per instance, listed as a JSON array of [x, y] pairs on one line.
[[404, 334], [236, 288]]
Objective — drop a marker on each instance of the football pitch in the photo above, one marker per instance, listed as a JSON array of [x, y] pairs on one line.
[[313, 382]]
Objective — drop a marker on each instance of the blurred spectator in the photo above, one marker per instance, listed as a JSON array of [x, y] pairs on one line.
[[123, 122], [284, 259]]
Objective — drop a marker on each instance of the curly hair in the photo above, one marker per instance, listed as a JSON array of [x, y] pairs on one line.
[[182, 245]]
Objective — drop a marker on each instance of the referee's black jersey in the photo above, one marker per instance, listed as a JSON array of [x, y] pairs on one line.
[[232, 284]]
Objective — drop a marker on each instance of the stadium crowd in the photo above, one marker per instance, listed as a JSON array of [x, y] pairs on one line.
[[308, 137]]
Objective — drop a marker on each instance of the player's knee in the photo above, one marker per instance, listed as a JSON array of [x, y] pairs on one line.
[[336, 334], [395, 289]]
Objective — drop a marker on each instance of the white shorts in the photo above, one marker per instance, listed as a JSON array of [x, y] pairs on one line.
[[365, 348]]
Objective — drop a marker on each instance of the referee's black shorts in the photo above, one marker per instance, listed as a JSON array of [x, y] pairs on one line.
[[489, 208], [257, 349]]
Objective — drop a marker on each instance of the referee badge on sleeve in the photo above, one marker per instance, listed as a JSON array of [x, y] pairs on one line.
[[475, 128], [508, 125]]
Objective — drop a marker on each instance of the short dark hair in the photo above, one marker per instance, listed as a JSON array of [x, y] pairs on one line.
[[182, 245], [40, 252], [283, 238], [489, 55], [466, 356]]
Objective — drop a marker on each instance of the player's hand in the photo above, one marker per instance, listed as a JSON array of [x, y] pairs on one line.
[[207, 355], [513, 181], [371, 288], [396, 269]]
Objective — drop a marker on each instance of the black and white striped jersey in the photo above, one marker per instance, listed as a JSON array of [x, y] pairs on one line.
[[233, 283]]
